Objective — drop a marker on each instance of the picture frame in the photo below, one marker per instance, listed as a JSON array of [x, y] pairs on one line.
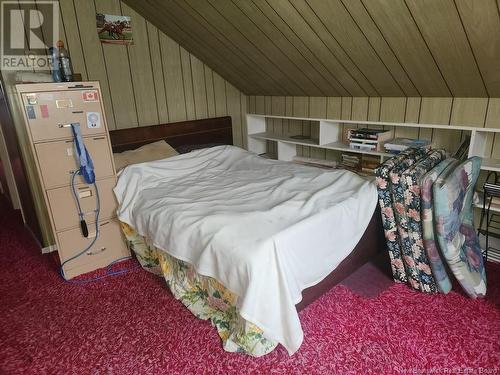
[[114, 29]]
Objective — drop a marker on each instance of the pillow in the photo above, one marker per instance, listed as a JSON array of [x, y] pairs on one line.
[[151, 151], [453, 221], [184, 149]]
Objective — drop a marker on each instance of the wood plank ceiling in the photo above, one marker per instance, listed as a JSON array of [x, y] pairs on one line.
[[340, 47]]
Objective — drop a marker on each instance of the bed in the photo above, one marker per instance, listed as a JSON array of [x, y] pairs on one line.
[[200, 216]]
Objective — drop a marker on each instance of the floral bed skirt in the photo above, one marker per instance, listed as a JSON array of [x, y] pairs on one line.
[[204, 296]]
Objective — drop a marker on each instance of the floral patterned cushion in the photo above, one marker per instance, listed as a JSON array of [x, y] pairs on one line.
[[408, 207], [454, 226], [386, 207], [431, 244]]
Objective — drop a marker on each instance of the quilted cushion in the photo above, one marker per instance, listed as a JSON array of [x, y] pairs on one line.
[[453, 219], [408, 207], [385, 203], [431, 244]]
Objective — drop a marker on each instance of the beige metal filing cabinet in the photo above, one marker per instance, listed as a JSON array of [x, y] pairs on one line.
[[49, 109]]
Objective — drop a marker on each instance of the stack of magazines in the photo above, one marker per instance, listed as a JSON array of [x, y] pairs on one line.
[[492, 189], [463, 150], [400, 144], [351, 161], [320, 163], [369, 163], [360, 163], [368, 139]]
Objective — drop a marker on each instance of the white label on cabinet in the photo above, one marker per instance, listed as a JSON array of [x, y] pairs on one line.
[[93, 120], [84, 194]]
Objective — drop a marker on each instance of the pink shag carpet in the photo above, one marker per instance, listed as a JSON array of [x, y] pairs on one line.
[[130, 324]]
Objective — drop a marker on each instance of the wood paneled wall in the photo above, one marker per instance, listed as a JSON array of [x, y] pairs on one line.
[[480, 112], [153, 81]]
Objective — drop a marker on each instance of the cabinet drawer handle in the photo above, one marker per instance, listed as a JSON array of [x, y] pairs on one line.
[[80, 87], [98, 138], [102, 249]]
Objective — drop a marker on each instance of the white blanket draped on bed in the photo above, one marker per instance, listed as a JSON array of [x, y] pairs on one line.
[[265, 229]]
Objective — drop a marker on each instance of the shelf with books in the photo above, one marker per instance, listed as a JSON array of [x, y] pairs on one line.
[[366, 139], [332, 137], [340, 146], [380, 123], [268, 136]]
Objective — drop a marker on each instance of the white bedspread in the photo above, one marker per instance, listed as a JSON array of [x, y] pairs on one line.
[[266, 229]]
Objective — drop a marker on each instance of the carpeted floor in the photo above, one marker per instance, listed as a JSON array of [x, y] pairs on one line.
[[132, 325]]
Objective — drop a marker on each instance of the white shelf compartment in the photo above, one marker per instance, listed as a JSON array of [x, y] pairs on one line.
[[314, 143], [495, 207], [281, 138], [490, 164]]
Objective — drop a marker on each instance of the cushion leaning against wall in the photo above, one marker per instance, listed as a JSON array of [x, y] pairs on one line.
[[453, 219], [431, 244], [387, 211], [414, 255]]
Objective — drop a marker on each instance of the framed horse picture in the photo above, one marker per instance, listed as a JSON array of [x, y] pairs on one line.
[[114, 29]]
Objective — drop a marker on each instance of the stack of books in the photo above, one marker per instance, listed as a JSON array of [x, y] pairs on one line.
[[351, 161], [320, 163], [369, 163], [463, 150], [492, 189], [362, 164], [368, 139], [400, 144]]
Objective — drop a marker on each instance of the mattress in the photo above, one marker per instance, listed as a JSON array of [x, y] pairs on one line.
[[265, 229]]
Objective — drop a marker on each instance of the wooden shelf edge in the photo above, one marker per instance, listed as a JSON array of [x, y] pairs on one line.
[[488, 164], [385, 123]]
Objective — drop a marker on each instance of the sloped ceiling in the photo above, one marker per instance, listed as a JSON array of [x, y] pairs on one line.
[[340, 47]]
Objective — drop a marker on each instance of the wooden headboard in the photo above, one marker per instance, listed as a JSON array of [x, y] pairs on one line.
[[211, 130]]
